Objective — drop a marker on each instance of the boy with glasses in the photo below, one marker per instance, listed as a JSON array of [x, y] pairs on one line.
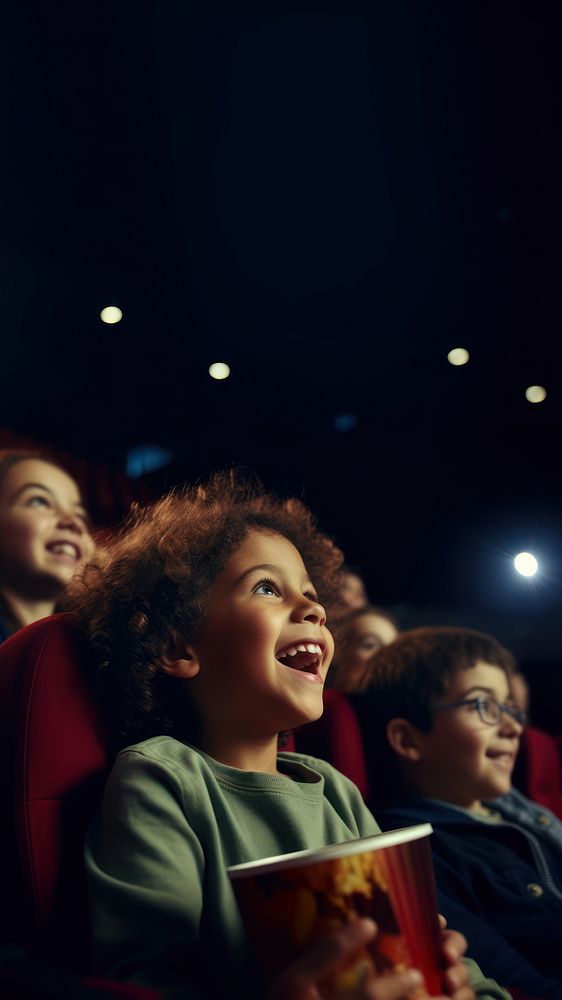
[[442, 733]]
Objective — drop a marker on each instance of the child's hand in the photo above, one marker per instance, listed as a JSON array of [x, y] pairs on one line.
[[455, 977], [301, 980]]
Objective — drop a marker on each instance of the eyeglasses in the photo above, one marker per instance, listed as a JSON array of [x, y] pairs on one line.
[[489, 709]]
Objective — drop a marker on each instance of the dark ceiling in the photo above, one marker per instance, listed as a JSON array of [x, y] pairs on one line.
[[328, 199]]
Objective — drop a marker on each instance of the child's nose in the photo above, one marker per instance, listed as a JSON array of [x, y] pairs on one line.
[[509, 725], [312, 611], [68, 519]]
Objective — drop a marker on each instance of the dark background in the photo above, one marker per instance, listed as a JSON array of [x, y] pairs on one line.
[[329, 199]]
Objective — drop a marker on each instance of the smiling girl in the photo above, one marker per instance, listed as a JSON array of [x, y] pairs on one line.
[[207, 622], [44, 537]]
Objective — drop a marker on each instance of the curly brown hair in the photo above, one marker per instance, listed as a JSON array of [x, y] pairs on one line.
[[149, 588]]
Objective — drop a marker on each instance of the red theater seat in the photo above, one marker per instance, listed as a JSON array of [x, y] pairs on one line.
[[336, 737], [55, 760], [538, 772]]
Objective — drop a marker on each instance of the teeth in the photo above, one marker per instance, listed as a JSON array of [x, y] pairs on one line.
[[301, 647], [64, 549]]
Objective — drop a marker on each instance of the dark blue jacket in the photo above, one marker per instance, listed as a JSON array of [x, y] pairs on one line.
[[501, 885]]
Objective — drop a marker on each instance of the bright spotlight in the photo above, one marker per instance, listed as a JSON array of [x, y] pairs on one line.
[[526, 564], [219, 370], [458, 356], [111, 314], [535, 393]]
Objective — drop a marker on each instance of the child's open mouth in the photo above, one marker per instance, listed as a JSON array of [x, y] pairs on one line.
[[66, 549], [304, 657]]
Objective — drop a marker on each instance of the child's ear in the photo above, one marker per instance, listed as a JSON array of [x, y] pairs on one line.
[[180, 663], [404, 739]]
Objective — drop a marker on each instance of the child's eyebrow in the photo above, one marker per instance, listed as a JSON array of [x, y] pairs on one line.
[[270, 568], [46, 489], [480, 687], [31, 486], [247, 572]]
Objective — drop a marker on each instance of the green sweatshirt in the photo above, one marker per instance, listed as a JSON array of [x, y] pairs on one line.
[[173, 819]]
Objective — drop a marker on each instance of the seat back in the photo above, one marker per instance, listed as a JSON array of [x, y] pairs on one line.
[[336, 737], [538, 773], [54, 749]]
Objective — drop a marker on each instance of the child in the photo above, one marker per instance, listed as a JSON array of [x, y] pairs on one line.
[[358, 638], [211, 639], [44, 537], [443, 733]]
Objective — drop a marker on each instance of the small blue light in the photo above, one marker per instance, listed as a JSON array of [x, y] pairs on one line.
[[146, 458], [345, 422]]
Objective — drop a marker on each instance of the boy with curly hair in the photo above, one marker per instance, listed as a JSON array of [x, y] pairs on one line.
[[207, 622]]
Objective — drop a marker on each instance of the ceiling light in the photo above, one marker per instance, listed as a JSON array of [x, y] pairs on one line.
[[525, 564], [219, 370], [111, 314], [535, 393], [458, 356]]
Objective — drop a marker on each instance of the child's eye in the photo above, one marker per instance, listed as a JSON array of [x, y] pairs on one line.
[[266, 587], [38, 501], [370, 645]]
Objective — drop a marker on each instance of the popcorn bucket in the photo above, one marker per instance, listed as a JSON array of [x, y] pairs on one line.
[[290, 902]]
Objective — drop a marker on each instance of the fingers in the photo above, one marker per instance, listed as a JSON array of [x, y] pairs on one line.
[[299, 981], [454, 945], [442, 921], [456, 978], [327, 956], [302, 979], [392, 987]]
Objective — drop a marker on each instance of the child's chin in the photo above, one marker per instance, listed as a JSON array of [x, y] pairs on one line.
[[497, 788], [306, 715]]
